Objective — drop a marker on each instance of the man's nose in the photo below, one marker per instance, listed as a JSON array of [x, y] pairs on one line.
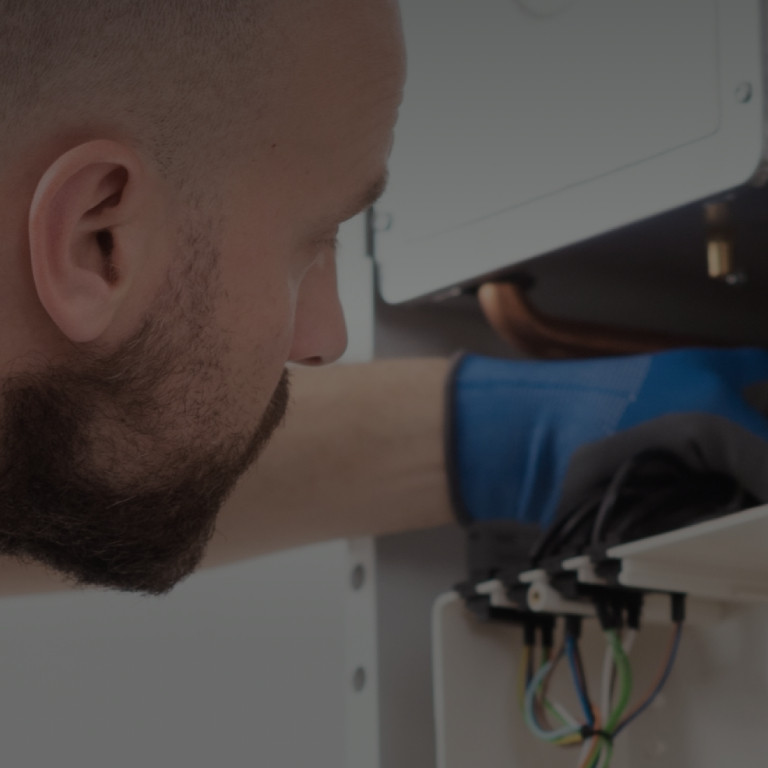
[[320, 332]]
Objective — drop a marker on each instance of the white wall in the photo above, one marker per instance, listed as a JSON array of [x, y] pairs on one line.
[[238, 666]]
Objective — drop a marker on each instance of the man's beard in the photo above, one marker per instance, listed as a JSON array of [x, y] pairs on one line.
[[113, 468]]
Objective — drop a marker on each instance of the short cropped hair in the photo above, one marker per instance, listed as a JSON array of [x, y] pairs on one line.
[[176, 78]]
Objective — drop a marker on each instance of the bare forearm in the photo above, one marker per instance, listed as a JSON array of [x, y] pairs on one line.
[[360, 453]]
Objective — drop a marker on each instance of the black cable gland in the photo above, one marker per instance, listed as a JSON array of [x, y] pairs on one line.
[[678, 608], [518, 594], [529, 632], [604, 615], [618, 602], [634, 610], [608, 570], [547, 631], [573, 626]]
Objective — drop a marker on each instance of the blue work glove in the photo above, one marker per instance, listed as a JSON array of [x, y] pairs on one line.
[[526, 439]]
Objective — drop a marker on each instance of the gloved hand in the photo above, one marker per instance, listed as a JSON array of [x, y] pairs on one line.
[[526, 439]]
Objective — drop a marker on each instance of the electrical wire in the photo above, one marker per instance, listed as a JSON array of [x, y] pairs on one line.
[[601, 747], [609, 669], [578, 680], [611, 496], [624, 675], [525, 675], [530, 714], [544, 705], [660, 682], [603, 723], [538, 686], [652, 492], [560, 712], [554, 707], [590, 753], [562, 529], [582, 675], [586, 752], [607, 680], [521, 676], [605, 756]]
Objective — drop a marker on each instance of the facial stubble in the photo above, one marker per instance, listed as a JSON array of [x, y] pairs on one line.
[[113, 467]]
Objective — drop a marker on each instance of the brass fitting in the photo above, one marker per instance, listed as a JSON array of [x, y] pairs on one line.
[[720, 240]]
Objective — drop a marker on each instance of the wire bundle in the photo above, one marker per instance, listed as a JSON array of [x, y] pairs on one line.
[[650, 493], [600, 726]]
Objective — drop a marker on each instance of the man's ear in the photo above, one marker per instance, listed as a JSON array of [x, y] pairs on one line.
[[85, 235]]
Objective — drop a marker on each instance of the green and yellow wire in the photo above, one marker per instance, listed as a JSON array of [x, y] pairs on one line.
[[532, 691]]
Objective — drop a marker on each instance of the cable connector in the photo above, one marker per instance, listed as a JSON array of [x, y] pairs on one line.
[[634, 609], [678, 608], [610, 609], [547, 624], [529, 632], [573, 627]]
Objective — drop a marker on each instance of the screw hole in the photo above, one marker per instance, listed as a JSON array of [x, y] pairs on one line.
[[358, 577], [358, 679]]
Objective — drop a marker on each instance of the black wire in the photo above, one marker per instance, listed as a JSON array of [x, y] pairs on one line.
[[669, 664], [620, 479], [692, 498], [582, 676], [634, 516], [652, 492], [611, 496], [563, 528]]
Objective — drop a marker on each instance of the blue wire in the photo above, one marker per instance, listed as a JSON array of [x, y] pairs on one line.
[[530, 714], [662, 682], [570, 647]]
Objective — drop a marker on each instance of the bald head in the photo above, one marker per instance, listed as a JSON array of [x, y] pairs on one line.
[[174, 174], [180, 78]]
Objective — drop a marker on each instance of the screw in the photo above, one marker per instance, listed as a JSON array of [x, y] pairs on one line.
[[358, 679], [744, 92], [358, 577]]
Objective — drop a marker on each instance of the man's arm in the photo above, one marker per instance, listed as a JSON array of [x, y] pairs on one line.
[[360, 453]]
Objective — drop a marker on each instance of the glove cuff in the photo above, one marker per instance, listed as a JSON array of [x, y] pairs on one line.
[[449, 441]]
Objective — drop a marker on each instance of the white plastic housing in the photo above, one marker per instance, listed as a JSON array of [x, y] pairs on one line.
[[713, 712], [724, 559], [528, 126]]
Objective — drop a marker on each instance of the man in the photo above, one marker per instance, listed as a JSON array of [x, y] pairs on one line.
[[173, 178]]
